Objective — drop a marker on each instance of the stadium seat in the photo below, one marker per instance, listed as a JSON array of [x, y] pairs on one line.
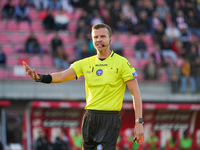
[[124, 38], [143, 62], [24, 26], [69, 50], [7, 49], [65, 38], [12, 60], [47, 60], [133, 40], [72, 27], [49, 37], [148, 40], [12, 26], [33, 14], [3, 74], [35, 61], [37, 26], [128, 52], [4, 38], [41, 38], [2, 25], [2, 3], [16, 38]]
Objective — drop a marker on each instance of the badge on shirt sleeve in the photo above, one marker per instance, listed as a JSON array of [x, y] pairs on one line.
[[99, 72], [99, 147], [134, 74]]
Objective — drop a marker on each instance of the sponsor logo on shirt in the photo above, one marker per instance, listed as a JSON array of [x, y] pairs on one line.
[[99, 147], [101, 65], [99, 72], [134, 74]]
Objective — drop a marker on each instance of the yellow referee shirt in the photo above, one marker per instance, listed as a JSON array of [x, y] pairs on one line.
[[105, 81]]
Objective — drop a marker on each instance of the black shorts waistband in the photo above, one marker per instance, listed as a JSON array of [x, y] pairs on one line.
[[101, 111]]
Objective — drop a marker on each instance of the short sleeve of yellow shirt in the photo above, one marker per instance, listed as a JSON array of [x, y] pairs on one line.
[[105, 81]]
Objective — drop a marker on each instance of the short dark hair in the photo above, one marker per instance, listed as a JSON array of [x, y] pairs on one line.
[[102, 25]]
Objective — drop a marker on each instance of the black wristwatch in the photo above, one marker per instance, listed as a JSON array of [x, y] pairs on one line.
[[139, 120]]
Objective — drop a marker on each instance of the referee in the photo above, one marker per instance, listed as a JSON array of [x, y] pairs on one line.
[[106, 76]]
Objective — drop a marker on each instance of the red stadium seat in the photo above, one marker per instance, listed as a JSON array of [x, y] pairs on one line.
[[128, 52], [16, 38], [47, 61], [23, 58], [41, 38], [3, 74], [24, 26], [35, 61], [11, 60], [37, 26], [77, 15], [133, 40], [143, 62], [8, 49], [33, 14], [4, 38], [72, 27], [12, 26], [148, 40], [124, 38], [2, 25]]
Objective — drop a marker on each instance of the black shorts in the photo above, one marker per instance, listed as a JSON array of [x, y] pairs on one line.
[[100, 130]]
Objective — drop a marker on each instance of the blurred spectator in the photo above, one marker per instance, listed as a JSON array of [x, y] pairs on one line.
[[154, 22], [82, 27], [96, 18], [91, 6], [127, 9], [77, 140], [139, 7], [101, 7], [151, 69], [2, 57], [180, 19], [8, 10], [172, 32], [162, 9], [81, 40], [141, 48], [22, 12], [56, 41], [185, 36], [41, 4], [60, 58], [175, 9], [158, 34], [106, 17], [48, 22], [62, 142], [117, 45], [153, 141], [186, 141], [143, 23], [61, 20], [168, 19], [197, 62], [85, 51], [134, 22], [55, 4], [185, 75], [193, 23], [121, 23], [178, 48], [166, 47], [173, 72], [115, 13], [157, 54], [85, 17], [42, 142], [66, 6], [32, 45]]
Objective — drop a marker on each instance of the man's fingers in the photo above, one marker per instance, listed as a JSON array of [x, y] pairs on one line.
[[34, 74], [26, 67]]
